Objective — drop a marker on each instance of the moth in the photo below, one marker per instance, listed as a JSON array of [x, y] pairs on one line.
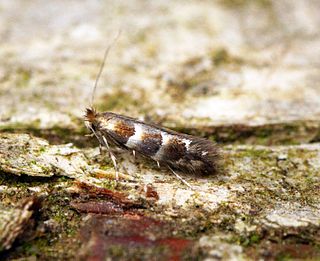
[[176, 151]]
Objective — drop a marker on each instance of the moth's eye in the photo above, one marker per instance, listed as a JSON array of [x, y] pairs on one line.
[[94, 127]]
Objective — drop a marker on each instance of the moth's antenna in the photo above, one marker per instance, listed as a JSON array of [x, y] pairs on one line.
[[102, 66]]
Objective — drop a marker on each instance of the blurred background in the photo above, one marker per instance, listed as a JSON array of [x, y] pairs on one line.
[[191, 65]]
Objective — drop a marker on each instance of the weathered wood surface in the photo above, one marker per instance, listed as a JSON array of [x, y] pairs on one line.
[[244, 73], [261, 194]]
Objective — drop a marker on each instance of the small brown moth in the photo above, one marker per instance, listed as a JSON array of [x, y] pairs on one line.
[[177, 151]]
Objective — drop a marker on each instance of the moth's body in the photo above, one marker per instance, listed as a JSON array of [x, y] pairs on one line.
[[169, 148]]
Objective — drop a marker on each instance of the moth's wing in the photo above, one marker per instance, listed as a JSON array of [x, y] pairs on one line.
[[202, 157]]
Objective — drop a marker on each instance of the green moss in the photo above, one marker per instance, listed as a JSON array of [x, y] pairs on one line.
[[249, 240], [316, 137], [42, 149], [48, 247], [109, 166], [285, 133], [283, 257], [33, 162], [22, 182], [118, 100], [198, 82], [56, 243], [254, 153], [116, 251], [13, 127], [23, 77], [221, 56], [254, 239], [55, 134], [110, 184], [244, 3]]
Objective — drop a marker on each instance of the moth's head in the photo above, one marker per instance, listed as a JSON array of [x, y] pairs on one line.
[[90, 115], [91, 119], [96, 122]]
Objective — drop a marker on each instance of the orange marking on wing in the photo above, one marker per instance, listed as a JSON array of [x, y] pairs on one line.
[[123, 129]]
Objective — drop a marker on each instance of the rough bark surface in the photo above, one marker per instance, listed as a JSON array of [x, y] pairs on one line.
[[243, 73]]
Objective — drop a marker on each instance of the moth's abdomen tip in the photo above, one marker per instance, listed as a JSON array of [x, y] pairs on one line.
[[201, 157]]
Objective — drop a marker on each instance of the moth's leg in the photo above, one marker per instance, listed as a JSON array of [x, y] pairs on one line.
[[180, 178], [114, 161], [100, 148], [112, 156]]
